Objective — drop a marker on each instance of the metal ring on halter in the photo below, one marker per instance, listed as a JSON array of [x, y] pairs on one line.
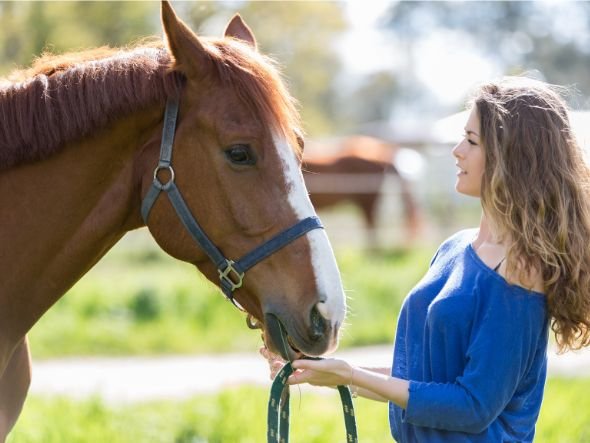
[[157, 183]]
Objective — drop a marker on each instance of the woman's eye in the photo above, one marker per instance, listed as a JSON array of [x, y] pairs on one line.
[[240, 155], [468, 140]]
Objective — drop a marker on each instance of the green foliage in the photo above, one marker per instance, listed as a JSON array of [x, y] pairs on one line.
[[145, 305], [29, 28], [139, 301], [239, 415]]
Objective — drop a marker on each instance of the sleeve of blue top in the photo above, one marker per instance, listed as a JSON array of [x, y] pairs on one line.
[[507, 328]]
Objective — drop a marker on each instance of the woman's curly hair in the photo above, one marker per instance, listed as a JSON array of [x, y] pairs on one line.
[[535, 190]]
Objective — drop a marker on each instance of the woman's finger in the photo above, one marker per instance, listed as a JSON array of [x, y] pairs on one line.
[[299, 377], [317, 365], [313, 378], [271, 357], [328, 372], [275, 367]]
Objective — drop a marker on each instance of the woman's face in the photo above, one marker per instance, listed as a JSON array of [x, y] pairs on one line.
[[470, 158]]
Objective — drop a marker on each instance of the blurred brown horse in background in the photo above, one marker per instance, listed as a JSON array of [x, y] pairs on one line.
[[87, 139], [354, 170]]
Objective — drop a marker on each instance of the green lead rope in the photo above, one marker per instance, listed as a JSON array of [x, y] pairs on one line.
[[278, 409]]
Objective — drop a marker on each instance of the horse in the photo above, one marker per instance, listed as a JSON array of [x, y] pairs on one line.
[[353, 170], [98, 143]]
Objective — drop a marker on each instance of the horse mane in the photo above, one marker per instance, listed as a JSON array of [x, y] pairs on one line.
[[66, 97], [62, 98]]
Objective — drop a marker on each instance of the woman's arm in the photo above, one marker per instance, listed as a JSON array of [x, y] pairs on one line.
[[366, 393], [373, 383]]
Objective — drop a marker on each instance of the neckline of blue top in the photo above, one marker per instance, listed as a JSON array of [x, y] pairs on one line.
[[477, 259]]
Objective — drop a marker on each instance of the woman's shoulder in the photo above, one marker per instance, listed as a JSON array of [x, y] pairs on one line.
[[531, 280], [454, 244], [464, 236]]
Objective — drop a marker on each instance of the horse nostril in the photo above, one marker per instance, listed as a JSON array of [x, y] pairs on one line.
[[318, 325], [323, 309]]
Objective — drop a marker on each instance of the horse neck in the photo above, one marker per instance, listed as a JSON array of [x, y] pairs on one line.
[[65, 213]]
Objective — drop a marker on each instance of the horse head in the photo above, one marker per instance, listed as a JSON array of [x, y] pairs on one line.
[[235, 161]]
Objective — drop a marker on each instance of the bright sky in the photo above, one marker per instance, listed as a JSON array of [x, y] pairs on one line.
[[450, 66], [447, 64], [365, 48]]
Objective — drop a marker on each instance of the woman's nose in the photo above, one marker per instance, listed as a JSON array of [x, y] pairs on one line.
[[457, 151]]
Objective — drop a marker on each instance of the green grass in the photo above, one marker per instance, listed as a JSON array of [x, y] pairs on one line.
[[239, 416], [376, 285], [139, 301], [565, 414]]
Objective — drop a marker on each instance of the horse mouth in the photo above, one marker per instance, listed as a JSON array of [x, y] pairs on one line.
[[277, 340]]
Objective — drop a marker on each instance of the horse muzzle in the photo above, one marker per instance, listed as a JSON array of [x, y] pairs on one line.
[[282, 337]]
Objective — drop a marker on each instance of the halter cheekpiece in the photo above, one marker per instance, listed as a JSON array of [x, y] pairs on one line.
[[231, 273]]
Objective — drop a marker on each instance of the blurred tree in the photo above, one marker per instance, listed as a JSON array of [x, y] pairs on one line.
[[301, 36], [550, 37], [372, 100], [12, 40], [29, 28]]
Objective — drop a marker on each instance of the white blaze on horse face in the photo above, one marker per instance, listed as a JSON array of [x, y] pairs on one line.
[[326, 272]]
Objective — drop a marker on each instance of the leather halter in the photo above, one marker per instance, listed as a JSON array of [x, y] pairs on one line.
[[231, 273]]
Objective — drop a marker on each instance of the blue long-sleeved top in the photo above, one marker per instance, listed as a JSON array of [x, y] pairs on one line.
[[473, 348]]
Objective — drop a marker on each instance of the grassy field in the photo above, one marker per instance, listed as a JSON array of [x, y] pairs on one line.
[[239, 416], [139, 301]]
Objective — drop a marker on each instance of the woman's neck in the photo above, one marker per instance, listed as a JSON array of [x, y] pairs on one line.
[[492, 250], [486, 233], [488, 245]]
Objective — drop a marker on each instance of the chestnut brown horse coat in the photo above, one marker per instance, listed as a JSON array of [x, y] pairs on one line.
[[79, 143], [354, 170]]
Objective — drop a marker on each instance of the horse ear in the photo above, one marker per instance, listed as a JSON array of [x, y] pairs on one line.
[[238, 29], [190, 56]]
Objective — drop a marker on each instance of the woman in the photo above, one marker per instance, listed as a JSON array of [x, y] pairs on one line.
[[470, 360]]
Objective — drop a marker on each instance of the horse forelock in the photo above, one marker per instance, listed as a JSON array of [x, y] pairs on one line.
[[65, 97], [257, 81]]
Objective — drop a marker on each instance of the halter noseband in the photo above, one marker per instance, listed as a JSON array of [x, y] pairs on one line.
[[231, 273]]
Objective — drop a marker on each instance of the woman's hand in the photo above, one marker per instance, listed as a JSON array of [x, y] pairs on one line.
[[329, 372], [275, 362], [372, 383]]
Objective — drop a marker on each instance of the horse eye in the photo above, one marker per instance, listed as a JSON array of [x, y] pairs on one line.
[[240, 155], [300, 139], [301, 143]]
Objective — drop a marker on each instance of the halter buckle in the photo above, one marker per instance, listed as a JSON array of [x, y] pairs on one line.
[[231, 275], [157, 183]]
